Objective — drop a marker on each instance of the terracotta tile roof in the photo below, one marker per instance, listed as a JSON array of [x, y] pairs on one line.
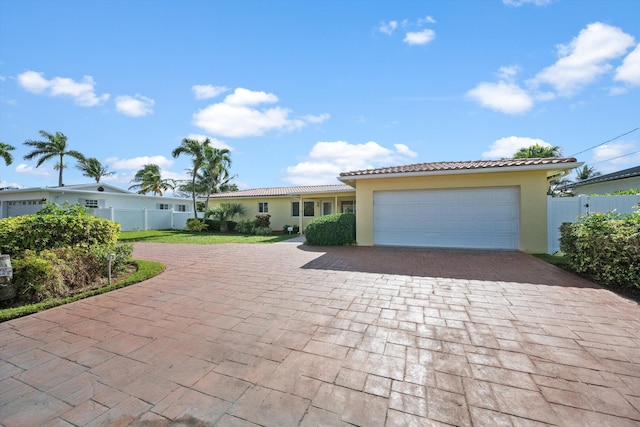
[[284, 191], [460, 166]]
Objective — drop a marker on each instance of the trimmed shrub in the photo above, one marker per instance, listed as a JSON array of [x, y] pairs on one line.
[[39, 232], [262, 231], [606, 247], [331, 230], [263, 220], [231, 226], [246, 227], [213, 225]]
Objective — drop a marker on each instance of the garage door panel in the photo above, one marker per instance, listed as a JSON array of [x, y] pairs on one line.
[[463, 218]]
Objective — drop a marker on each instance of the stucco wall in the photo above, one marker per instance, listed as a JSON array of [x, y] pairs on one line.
[[280, 207], [533, 200], [609, 186]]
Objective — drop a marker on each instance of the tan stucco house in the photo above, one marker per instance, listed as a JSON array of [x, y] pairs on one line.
[[486, 204]]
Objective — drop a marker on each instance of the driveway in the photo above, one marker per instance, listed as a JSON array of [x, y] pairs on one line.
[[288, 335]]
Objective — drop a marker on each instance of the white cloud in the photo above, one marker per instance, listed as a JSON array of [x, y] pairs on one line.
[[388, 27], [83, 93], [517, 3], [507, 147], [629, 71], [328, 159], [419, 37], [208, 91], [134, 106], [426, 20], [612, 155], [30, 170], [584, 59], [505, 97], [240, 115], [137, 163], [214, 142]]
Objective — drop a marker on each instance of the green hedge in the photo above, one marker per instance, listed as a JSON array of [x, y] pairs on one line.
[[605, 246], [331, 230], [41, 232]]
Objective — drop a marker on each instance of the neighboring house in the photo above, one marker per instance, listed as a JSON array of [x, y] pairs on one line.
[[290, 205], [626, 179], [133, 211]]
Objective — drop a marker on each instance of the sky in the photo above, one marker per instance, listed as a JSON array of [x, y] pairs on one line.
[[302, 90]]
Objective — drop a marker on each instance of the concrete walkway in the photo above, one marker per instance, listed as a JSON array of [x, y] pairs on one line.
[[288, 335]]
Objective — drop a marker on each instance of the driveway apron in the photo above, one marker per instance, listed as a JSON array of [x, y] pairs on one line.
[[291, 335]]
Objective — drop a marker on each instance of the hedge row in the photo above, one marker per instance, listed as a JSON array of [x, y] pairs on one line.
[[605, 246], [40, 232], [331, 230]]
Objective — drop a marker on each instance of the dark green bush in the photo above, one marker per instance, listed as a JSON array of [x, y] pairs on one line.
[[246, 227], [46, 231], [213, 225], [231, 226], [331, 230], [605, 246], [263, 220]]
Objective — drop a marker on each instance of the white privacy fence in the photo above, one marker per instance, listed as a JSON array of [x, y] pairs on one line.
[[144, 219], [569, 209]]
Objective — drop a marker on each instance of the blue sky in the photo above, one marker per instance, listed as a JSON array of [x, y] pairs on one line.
[[303, 90]]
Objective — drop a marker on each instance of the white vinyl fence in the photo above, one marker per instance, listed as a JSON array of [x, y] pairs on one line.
[[144, 219], [570, 209]]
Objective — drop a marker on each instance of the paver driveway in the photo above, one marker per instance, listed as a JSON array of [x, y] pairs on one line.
[[277, 335]]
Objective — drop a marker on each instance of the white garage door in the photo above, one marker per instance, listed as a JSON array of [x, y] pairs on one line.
[[485, 218], [24, 207]]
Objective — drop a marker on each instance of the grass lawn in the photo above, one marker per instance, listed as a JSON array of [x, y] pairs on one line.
[[197, 237]]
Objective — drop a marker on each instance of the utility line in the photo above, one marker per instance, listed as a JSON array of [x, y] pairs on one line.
[[602, 143], [614, 158]]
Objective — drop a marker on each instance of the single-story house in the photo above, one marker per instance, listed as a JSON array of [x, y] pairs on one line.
[[485, 204], [290, 205], [133, 211], [626, 179]]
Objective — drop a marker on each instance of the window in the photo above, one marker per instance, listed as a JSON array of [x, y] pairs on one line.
[[327, 208], [163, 206], [181, 208], [263, 207], [91, 203], [308, 208], [348, 207]]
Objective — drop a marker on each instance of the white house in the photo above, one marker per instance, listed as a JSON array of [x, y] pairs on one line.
[[132, 211]]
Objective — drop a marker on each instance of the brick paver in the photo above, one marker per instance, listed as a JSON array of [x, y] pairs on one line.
[[285, 334]]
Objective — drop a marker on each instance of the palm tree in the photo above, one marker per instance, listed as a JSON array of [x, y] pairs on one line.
[[149, 180], [92, 168], [5, 154], [54, 146], [195, 149], [214, 172], [586, 172], [537, 151]]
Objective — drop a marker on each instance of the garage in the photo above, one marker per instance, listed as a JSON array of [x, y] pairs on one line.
[[24, 207], [478, 218]]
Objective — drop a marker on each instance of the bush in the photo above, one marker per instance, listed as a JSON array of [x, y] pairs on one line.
[[331, 230], [213, 225], [262, 231], [39, 232], [263, 220], [605, 246], [194, 224], [246, 227], [231, 226]]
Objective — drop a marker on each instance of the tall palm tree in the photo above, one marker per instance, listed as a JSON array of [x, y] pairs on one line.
[[5, 154], [195, 149], [54, 146], [92, 168], [537, 151], [586, 172], [149, 180], [214, 172]]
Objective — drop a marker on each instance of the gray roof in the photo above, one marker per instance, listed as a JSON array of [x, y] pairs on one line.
[[614, 176]]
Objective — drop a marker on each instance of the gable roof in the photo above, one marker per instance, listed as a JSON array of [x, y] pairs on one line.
[[550, 163], [614, 176], [284, 191]]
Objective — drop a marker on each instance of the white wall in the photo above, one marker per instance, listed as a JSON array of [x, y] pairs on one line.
[[569, 209], [144, 219]]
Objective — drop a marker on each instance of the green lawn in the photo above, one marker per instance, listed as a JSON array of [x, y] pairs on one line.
[[202, 238]]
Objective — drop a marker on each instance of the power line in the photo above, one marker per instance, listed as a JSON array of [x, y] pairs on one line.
[[614, 158], [602, 143]]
